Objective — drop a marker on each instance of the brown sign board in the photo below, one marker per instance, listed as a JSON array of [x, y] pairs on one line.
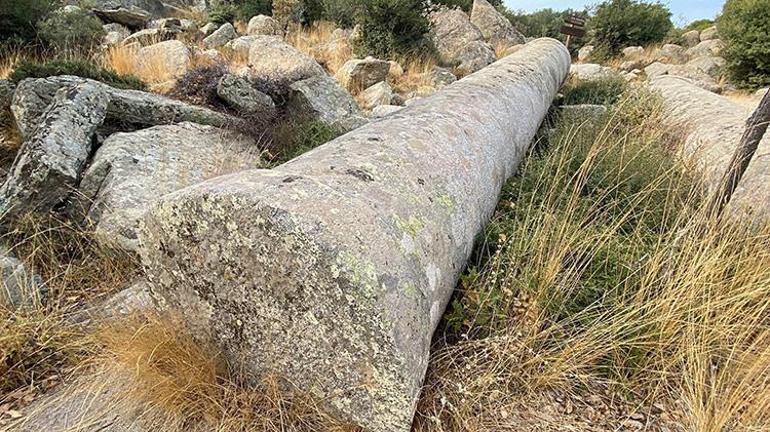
[[578, 32], [575, 20]]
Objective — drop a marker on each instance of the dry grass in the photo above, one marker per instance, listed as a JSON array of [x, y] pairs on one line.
[[622, 284], [316, 41], [413, 79], [44, 338], [155, 70], [9, 60]]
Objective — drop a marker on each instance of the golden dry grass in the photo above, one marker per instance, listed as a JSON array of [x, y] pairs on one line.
[[316, 41]]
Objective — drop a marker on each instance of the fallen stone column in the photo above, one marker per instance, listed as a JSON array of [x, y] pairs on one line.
[[713, 127], [334, 269]]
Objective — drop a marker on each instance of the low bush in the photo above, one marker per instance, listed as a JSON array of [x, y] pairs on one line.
[[18, 19], [295, 138], [73, 31], [700, 25], [199, 86], [604, 91], [223, 11], [745, 28], [81, 68], [618, 24], [393, 28]]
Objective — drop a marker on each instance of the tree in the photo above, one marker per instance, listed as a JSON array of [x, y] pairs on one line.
[[621, 23], [745, 28]]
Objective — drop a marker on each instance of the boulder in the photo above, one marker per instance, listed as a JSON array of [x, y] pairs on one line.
[[238, 93], [590, 71], [671, 53], [459, 42], [274, 61], [711, 66], [376, 95], [695, 75], [322, 98], [585, 52], [114, 34], [264, 25], [240, 46], [19, 288], [334, 269], [633, 52], [385, 110], [710, 33], [208, 28], [395, 70], [221, 36], [513, 49], [474, 57], [49, 163], [6, 98], [439, 77], [759, 94], [133, 18], [169, 56], [149, 37], [153, 7], [691, 38], [356, 75], [630, 65], [496, 29], [709, 48], [127, 109], [131, 171]]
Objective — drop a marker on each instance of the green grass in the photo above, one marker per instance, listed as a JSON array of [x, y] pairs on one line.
[[604, 91]]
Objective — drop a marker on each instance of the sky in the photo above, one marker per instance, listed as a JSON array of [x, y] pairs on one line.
[[684, 11]]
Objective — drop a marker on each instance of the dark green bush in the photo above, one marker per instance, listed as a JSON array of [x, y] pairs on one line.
[[78, 30], [294, 139], [224, 11], [699, 25], [745, 28], [342, 12], [604, 91], [393, 28], [18, 19], [81, 68], [618, 24], [545, 23]]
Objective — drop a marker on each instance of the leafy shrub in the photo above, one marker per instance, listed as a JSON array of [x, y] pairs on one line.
[[603, 91], [545, 23], [621, 23], [19, 17], [391, 28], [71, 30], [294, 139], [699, 25], [745, 29], [81, 68], [223, 11], [342, 12]]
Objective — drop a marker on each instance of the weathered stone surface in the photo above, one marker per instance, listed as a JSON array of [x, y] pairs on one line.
[[154, 7], [585, 52], [698, 77], [378, 94], [6, 97], [240, 95], [474, 57], [172, 55], [711, 66], [49, 163], [334, 269], [633, 52], [691, 38], [590, 71], [513, 49], [208, 28], [264, 25], [272, 59], [221, 36], [133, 18], [671, 53], [710, 33], [322, 98], [630, 65], [149, 36], [708, 48], [114, 34], [385, 110], [439, 77], [459, 42], [714, 126], [127, 109], [131, 171], [19, 288], [395, 70], [356, 75], [496, 29], [241, 45]]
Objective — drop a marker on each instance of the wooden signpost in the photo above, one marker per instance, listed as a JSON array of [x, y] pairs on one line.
[[574, 26]]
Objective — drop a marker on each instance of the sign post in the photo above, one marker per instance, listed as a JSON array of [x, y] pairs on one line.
[[574, 26]]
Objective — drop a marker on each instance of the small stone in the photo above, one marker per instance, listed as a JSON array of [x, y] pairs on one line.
[[221, 36], [357, 75]]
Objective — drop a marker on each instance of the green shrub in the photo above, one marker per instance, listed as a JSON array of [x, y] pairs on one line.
[[545, 23], [393, 28], [18, 19], [295, 139], [81, 68], [342, 12], [73, 30], [604, 91], [224, 11], [621, 23], [745, 28], [700, 25]]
